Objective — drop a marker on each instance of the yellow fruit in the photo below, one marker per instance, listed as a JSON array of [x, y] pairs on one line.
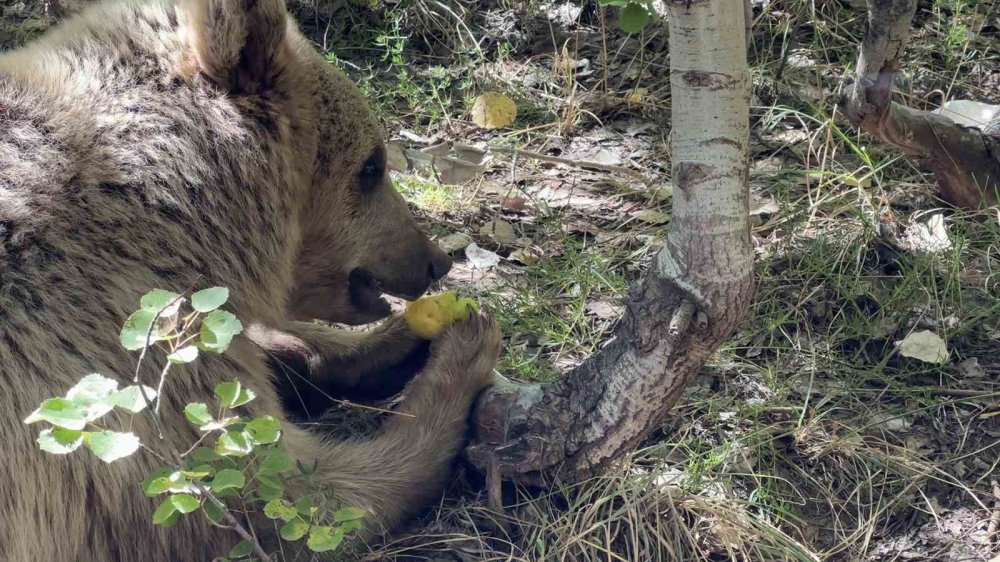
[[429, 316]]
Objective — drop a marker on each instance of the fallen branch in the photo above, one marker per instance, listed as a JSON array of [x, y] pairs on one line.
[[966, 161], [585, 164]]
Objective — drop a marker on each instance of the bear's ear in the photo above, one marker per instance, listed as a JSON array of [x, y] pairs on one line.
[[238, 44]]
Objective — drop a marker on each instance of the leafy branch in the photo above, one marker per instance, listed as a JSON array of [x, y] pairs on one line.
[[234, 459]]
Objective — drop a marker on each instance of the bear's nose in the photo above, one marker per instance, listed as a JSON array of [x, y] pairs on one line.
[[440, 263]]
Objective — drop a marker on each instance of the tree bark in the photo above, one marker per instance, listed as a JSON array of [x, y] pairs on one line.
[[965, 161], [691, 300]]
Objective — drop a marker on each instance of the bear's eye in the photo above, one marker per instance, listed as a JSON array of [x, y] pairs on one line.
[[372, 171]]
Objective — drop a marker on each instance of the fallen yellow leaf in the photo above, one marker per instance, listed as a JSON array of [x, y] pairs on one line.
[[493, 111]]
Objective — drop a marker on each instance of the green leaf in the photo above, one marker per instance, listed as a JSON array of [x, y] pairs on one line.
[[110, 446], [269, 487], [213, 513], [294, 530], [633, 18], [218, 329], [160, 473], [164, 511], [197, 413], [208, 300], [130, 398], [305, 508], [234, 444], [227, 392], [228, 478], [183, 355], [264, 430], [241, 550], [275, 462], [91, 389], [175, 481], [204, 454], [228, 493], [157, 486], [200, 471], [133, 335], [60, 412], [172, 521], [214, 425], [349, 514], [350, 526], [280, 509], [163, 302], [232, 394], [324, 539], [60, 441], [185, 503]]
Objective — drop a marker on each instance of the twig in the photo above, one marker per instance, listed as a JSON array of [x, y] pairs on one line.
[[179, 458], [236, 525], [159, 387], [575, 163], [991, 530], [142, 356]]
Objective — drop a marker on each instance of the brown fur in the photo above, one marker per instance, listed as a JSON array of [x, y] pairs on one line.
[[317, 365], [143, 145]]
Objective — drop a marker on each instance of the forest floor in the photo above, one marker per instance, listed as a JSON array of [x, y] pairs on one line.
[[809, 436]]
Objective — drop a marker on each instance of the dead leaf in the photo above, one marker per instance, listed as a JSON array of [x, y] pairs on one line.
[[969, 113], [662, 192], [454, 242], [493, 110], [604, 310], [414, 137], [971, 369], [578, 227], [892, 422], [606, 157], [929, 237], [452, 164], [396, 157], [502, 232], [439, 149], [481, 258], [470, 153], [525, 256], [514, 204], [763, 206], [924, 346], [637, 95], [453, 171], [651, 216]]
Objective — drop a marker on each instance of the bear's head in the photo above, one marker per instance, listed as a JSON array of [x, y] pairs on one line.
[[358, 239]]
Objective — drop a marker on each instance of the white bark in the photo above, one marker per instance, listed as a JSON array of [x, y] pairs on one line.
[[689, 303]]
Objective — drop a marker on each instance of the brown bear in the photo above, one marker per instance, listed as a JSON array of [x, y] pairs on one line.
[[159, 144]]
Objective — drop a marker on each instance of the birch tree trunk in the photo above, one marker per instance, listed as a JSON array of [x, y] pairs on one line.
[[691, 300], [965, 161]]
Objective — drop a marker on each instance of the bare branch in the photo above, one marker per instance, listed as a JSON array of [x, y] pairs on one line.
[[965, 161]]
